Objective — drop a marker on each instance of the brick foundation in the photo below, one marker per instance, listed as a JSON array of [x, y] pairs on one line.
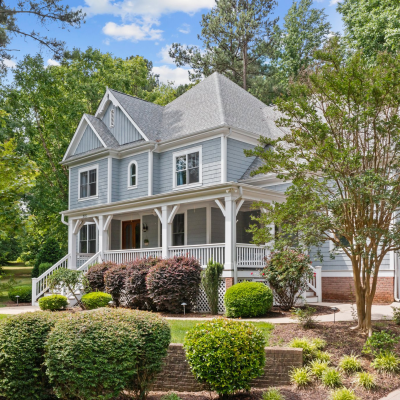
[[177, 376], [228, 283], [342, 289]]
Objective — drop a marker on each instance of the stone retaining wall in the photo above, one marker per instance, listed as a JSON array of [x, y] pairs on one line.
[[176, 375]]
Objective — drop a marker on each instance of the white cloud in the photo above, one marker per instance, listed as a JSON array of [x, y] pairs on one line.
[[10, 63], [133, 32], [333, 2], [167, 74], [52, 62], [165, 58], [185, 28]]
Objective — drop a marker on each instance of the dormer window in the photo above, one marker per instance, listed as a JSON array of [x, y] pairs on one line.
[[112, 117], [187, 167], [132, 175]]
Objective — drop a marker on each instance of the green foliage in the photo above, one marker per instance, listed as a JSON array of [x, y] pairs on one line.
[[248, 299], [365, 380], [318, 367], [22, 373], [225, 354], [386, 361], [340, 100], [95, 275], [331, 378], [43, 267], [305, 316], [319, 343], [380, 341], [350, 364], [24, 293], [272, 394], [287, 272], [343, 394], [96, 300], [171, 396], [210, 279], [301, 377], [120, 350], [396, 315], [311, 348], [53, 302], [323, 356], [371, 26], [49, 252]]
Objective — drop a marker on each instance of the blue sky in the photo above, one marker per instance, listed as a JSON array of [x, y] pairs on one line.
[[141, 27]]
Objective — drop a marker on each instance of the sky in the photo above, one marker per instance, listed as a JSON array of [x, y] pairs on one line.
[[140, 27]]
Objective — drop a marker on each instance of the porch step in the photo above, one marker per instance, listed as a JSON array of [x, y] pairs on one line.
[[313, 299]]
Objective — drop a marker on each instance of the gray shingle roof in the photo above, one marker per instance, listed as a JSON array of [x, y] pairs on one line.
[[102, 130], [257, 163]]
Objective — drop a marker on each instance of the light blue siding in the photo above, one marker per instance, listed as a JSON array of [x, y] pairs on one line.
[[123, 130], [152, 233], [278, 188], [115, 180], [102, 185], [237, 161], [196, 226], [115, 235], [89, 141], [217, 226], [211, 165]]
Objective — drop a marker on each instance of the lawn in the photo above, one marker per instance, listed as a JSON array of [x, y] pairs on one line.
[[18, 272], [2, 316], [180, 327]]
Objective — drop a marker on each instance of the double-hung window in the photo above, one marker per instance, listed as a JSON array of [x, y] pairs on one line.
[[87, 239], [187, 167], [88, 183]]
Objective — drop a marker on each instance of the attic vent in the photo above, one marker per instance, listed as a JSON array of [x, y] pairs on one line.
[[112, 117]]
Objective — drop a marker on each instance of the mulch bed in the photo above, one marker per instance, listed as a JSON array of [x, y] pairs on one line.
[[12, 304]]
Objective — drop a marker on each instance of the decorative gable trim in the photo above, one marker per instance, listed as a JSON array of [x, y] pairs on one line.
[[78, 136], [110, 98]]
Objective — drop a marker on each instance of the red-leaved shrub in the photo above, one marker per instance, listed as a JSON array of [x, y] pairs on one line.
[[114, 280], [135, 283], [174, 281], [95, 275]]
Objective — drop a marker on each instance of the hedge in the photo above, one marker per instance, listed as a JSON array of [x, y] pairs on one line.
[[114, 279], [24, 293], [95, 300], [95, 275], [53, 302]]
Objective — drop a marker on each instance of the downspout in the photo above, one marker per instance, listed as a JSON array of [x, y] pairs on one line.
[[151, 170], [63, 220]]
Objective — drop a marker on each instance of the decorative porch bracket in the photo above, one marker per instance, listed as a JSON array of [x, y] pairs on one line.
[[238, 206], [221, 206], [108, 222], [77, 226], [173, 213]]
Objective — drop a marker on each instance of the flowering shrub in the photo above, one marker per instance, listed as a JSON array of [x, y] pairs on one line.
[[174, 281], [287, 272], [95, 275], [114, 279], [135, 282]]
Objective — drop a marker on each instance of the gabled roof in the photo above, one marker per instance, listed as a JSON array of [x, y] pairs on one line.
[[101, 129], [257, 163]]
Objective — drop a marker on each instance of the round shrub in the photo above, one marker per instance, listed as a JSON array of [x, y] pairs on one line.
[[22, 373], [135, 283], [53, 302], [96, 300], [98, 354], [248, 299], [43, 267], [24, 293], [225, 354], [174, 281], [114, 279], [95, 275]]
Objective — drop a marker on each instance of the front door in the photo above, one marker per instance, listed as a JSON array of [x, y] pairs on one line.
[[131, 234]]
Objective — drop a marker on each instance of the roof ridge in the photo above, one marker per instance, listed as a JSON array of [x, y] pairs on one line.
[[135, 97], [219, 97]]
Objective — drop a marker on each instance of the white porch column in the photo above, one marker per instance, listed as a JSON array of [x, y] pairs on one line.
[[165, 231], [103, 235], [72, 239], [230, 237]]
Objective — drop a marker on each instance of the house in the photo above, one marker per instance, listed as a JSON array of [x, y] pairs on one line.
[[147, 180]]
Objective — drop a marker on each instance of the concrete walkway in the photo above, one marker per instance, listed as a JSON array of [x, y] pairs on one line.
[[392, 396], [345, 314]]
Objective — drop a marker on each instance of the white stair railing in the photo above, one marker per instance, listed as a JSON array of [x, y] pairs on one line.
[[315, 283], [92, 260], [40, 284]]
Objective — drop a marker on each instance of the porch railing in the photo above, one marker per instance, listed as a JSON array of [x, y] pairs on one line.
[[250, 255], [120, 256], [203, 252], [92, 260]]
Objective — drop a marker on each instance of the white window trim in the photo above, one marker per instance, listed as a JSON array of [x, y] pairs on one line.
[[112, 117], [79, 237], [96, 167], [182, 153], [129, 175]]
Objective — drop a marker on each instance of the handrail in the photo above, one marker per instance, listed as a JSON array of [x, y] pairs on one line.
[[203, 252], [121, 256], [85, 266]]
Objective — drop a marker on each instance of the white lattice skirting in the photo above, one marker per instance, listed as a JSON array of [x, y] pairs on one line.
[[202, 303]]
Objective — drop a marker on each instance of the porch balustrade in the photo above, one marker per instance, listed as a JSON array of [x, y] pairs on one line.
[[250, 256], [202, 252], [120, 256]]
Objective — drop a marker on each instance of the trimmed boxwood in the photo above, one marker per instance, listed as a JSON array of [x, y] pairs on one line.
[[225, 354], [248, 299], [24, 293], [135, 283], [22, 373], [96, 300], [95, 275], [53, 302], [174, 281], [98, 354]]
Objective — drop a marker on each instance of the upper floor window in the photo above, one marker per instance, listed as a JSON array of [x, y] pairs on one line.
[[87, 239], [187, 167], [132, 175], [112, 117], [88, 182]]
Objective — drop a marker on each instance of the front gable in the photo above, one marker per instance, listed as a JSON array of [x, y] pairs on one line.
[[89, 141]]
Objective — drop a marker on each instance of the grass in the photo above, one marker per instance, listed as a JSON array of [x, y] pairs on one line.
[[2, 316], [180, 327], [18, 272]]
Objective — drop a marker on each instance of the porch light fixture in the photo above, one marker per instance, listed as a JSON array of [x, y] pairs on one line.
[[17, 297], [335, 310], [184, 309], [145, 228]]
